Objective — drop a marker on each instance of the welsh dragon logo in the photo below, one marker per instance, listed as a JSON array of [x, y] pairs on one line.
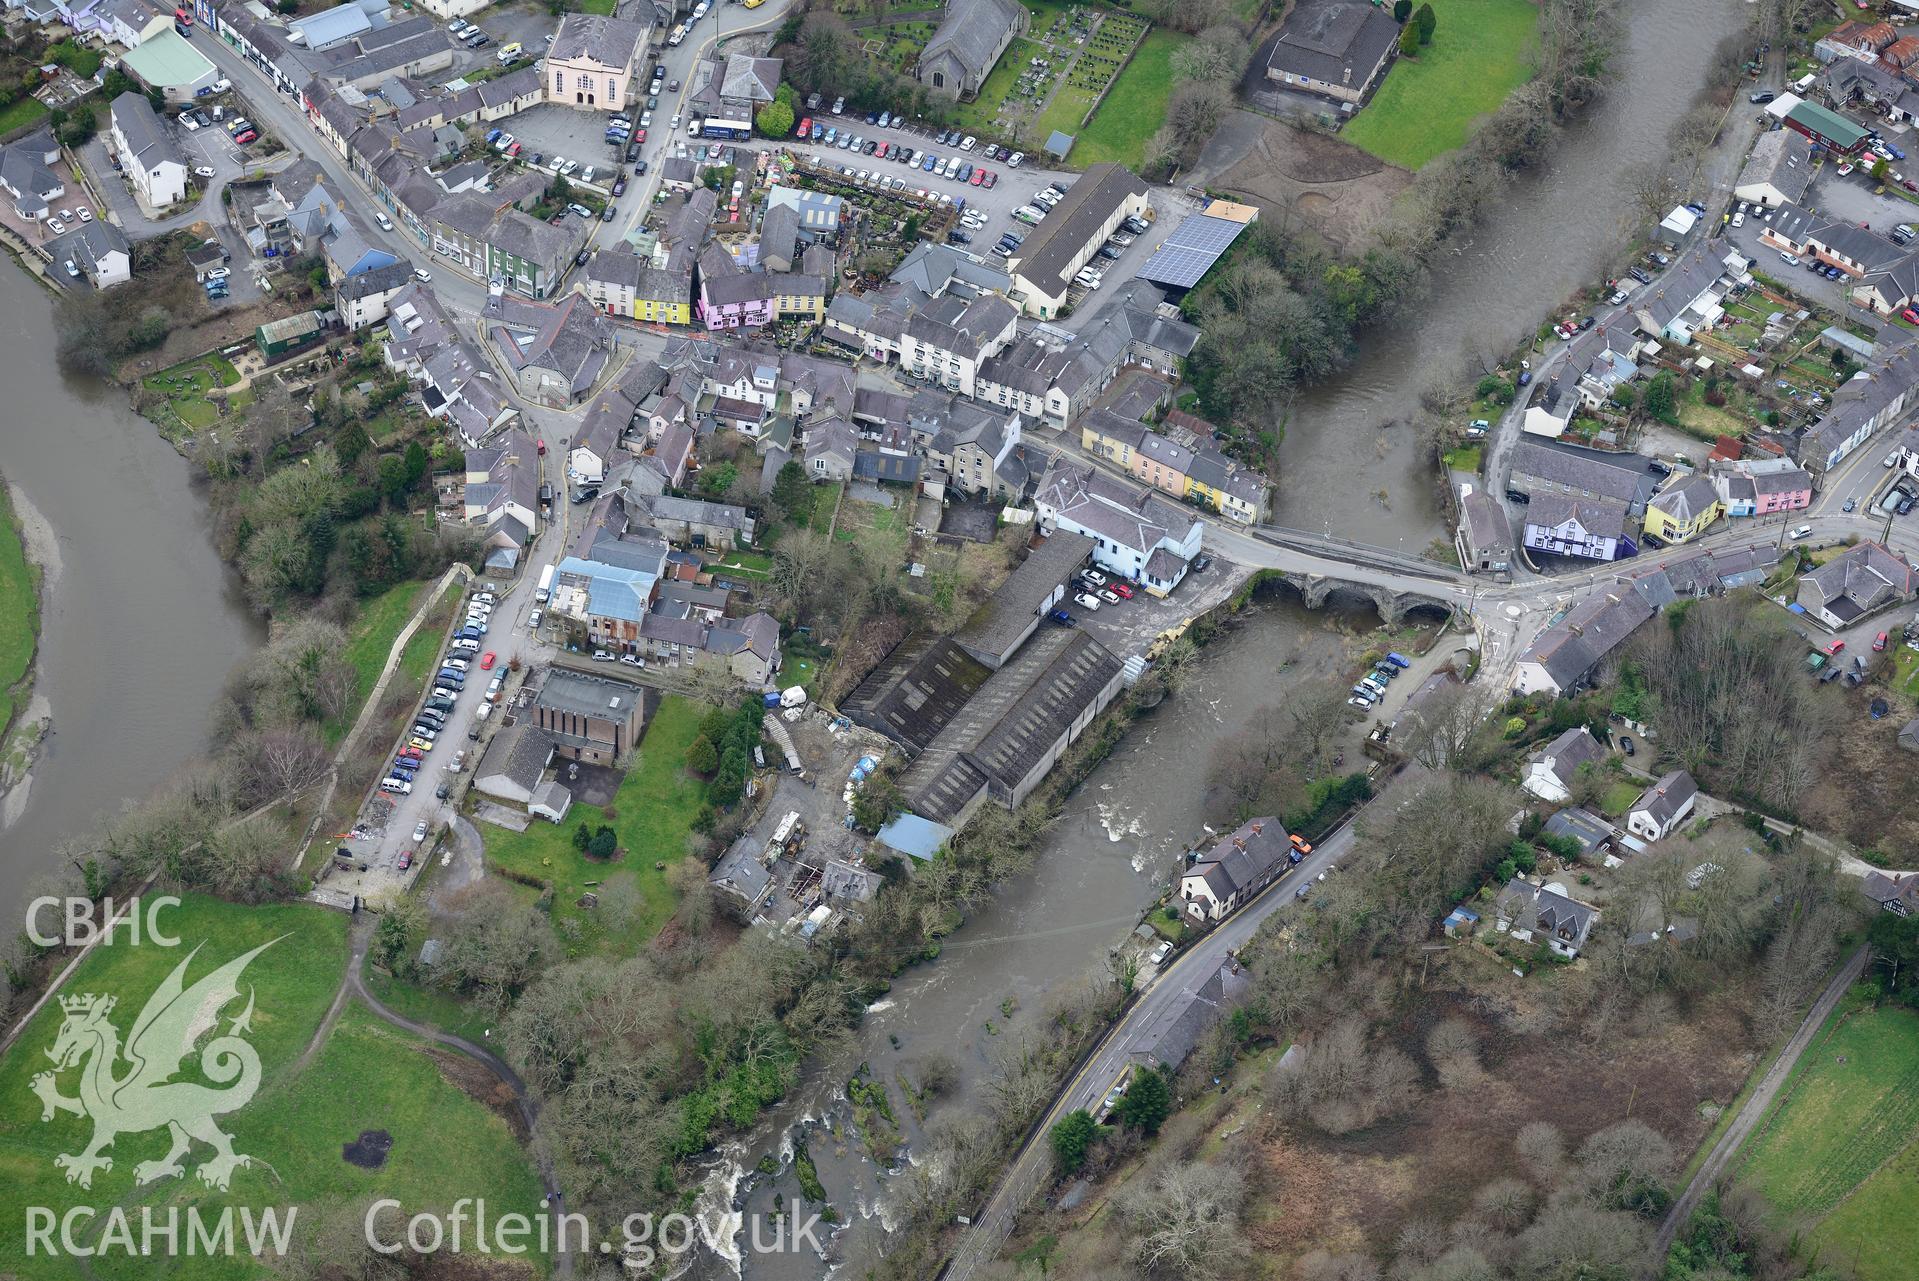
[[143, 1096]]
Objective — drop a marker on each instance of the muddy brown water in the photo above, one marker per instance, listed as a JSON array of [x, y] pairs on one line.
[[143, 621], [1556, 230]]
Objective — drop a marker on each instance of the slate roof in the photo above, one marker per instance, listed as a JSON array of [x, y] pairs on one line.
[[1242, 858], [750, 79], [1544, 911], [1580, 825], [971, 31], [1860, 580], [931, 268], [1051, 247], [1781, 159], [145, 136], [1485, 522], [1334, 41], [1129, 515], [88, 243], [1169, 1037], [1565, 754], [377, 280], [611, 42], [963, 326], [1687, 499], [1624, 480], [895, 469], [1005, 615], [1666, 796], [1590, 630], [519, 753], [741, 874]]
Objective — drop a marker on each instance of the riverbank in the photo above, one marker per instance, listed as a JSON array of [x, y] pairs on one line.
[[29, 566]]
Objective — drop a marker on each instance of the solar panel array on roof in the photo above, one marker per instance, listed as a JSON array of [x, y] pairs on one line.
[[1195, 245]]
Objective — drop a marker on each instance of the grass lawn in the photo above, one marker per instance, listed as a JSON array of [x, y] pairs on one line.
[[654, 810], [373, 1076], [292, 981], [187, 408], [1619, 798], [25, 112], [1852, 1106], [1480, 53], [19, 610], [370, 640], [602, 7], [982, 111], [1464, 458], [428, 1005], [1132, 111], [1905, 663]]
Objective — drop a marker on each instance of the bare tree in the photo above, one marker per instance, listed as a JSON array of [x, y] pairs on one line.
[[1453, 1049], [1438, 731], [1506, 1203], [1341, 1082], [1185, 1223], [1542, 1149], [1653, 188], [289, 759]]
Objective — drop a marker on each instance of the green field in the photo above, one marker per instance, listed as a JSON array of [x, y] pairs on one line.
[[365, 1076], [370, 640], [1837, 1150], [1133, 110], [19, 611], [654, 811], [19, 115], [293, 981], [1481, 51]]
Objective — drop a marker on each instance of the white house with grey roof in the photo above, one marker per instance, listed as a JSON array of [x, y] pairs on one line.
[[946, 340], [1871, 399], [1590, 528], [593, 61], [1863, 580], [1136, 534], [27, 177], [1560, 658], [1778, 171], [1237, 867], [971, 37], [98, 250], [1663, 806], [1043, 266], [150, 159], [1548, 913], [1552, 770]]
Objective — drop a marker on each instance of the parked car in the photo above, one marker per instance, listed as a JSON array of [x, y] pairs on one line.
[[1087, 600], [1063, 618]]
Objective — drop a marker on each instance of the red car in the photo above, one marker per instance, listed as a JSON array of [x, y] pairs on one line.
[[486, 661], [806, 127], [406, 859], [540, 446], [1124, 589], [1835, 646], [639, 135], [1878, 642], [991, 178], [1910, 316], [979, 176], [246, 137], [413, 752]]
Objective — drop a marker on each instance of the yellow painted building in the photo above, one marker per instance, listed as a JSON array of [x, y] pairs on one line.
[[1684, 510]]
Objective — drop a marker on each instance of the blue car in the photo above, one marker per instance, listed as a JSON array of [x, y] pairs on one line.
[[1399, 660], [493, 136], [1063, 618], [1896, 153], [928, 163]]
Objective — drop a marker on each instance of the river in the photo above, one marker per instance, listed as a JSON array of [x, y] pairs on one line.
[[1125, 829], [1560, 227], [142, 622]]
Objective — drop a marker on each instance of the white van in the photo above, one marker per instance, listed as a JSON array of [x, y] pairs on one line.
[[508, 52], [396, 786]]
